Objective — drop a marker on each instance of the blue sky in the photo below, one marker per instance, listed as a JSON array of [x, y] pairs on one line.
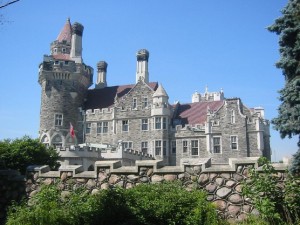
[[221, 44]]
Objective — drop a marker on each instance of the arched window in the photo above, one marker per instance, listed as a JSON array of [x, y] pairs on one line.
[[57, 141], [45, 140]]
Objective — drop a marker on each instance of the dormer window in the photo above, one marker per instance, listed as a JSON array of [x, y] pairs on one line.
[[56, 62]]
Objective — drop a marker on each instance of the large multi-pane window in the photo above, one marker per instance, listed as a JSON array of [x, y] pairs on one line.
[[127, 145], [88, 128], [144, 147], [144, 124], [160, 123], [185, 146], [102, 127], [157, 123], [157, 147], [216, 144], [125, 126], [234, 142], [58, 118], [195, 147]]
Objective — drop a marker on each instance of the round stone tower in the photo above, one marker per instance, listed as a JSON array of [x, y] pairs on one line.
[[64, 79]]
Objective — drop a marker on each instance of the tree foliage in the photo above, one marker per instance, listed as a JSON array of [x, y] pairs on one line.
[[295, 167], [277, 201], [288, 29], [18, 154], [151, 204]]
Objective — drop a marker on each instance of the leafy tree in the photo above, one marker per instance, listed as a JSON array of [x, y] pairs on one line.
[[288, 29], [295, 167], [19, 153], [277, 201]]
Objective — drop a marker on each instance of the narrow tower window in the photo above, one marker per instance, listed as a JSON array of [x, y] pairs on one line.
[[216, 145], [145, 102], [144, 146], [157, 147], [157, 123], [185, 146], [125, 125], [232, 116], [234, 142], [195, 147], [173, 147], [88, 128], [134, 103], [144, 124]]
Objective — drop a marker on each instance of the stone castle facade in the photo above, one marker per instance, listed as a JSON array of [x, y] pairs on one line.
[[138, 118]]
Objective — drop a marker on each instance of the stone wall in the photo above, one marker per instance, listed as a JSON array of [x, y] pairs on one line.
[[223, 183]]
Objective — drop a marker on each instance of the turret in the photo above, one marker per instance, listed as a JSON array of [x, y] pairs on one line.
[[196, 97], [142, 65], [160, 102], [64, 80], [101, 76], [62, 45]]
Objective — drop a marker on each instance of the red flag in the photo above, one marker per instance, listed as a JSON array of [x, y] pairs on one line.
[[72, 132]]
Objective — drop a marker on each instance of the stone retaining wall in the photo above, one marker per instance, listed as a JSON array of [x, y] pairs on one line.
[[222, 182]]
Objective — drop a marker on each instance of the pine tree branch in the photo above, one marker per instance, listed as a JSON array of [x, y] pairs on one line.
[[9, 3]]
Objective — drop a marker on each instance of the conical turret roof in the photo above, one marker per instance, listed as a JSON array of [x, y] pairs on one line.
[[160, 92], [66, 32]]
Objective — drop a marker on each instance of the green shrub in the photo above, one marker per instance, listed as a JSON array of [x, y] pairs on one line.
[[170, 203], [166, 203], [18, 154]]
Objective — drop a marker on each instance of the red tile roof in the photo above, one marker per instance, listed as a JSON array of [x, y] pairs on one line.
[[196, 113], [65, 33], [105, 97]]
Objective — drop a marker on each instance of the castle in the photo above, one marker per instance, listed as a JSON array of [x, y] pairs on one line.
[[136, 121]]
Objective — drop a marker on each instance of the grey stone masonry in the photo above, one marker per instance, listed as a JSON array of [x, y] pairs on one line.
[[139, 115]]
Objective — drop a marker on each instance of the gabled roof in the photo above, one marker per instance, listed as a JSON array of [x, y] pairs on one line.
[[66, 32], [196, 113], [105, 97]]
